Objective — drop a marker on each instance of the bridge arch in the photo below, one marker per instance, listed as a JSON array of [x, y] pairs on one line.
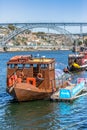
[[31, 26]]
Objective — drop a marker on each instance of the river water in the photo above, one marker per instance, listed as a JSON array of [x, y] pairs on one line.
[[41, 115]]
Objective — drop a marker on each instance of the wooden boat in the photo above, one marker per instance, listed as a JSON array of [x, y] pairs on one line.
[[77, 62], [69, 93], [30, 78]]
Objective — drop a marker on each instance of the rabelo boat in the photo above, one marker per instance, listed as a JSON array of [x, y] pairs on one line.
[[31, 78]]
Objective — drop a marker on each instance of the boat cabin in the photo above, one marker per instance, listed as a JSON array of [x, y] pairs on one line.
[[40, 72]]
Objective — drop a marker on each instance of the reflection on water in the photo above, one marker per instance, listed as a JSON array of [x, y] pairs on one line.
[[43, 114], [36, 114], [40, 114]]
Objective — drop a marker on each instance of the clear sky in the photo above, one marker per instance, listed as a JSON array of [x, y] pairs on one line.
[[43, 11]]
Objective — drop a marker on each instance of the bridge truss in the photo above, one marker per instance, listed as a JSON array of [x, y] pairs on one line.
[[21, 27]]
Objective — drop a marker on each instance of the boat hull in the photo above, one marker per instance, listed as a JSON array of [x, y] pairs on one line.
[[84, 67], [66, 93], [26, 92], [69, 93]]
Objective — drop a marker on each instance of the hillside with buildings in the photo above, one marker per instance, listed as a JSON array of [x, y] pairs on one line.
[[29, 40]]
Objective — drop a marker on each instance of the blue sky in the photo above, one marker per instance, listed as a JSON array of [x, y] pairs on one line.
[[43, 11]]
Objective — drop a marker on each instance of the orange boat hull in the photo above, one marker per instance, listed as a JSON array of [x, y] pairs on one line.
[[26, 92]]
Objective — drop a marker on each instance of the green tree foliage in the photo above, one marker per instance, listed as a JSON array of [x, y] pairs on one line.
[[11, 27], [79, 43], [85, 42]]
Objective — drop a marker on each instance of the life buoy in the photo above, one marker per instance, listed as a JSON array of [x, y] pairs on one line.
[[10, 81], [31, 81], [39, 75]]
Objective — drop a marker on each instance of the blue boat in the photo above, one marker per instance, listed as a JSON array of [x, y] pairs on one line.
[[69, 93]]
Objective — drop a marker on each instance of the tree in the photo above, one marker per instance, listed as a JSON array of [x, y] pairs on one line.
[[85, 42], [11, 27], [79, 43]]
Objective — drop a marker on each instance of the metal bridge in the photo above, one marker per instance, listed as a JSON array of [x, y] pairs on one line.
[[59, 27]]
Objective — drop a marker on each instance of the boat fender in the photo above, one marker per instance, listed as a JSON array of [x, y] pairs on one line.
[[15, 77], [10, 90], [31, 81], [39, 75], [10, 81]]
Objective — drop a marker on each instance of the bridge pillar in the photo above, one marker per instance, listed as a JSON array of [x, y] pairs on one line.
[[81, 32], [64, 27], [48, 30]]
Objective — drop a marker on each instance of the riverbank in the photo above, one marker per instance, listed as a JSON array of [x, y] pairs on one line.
[[13, 49]]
